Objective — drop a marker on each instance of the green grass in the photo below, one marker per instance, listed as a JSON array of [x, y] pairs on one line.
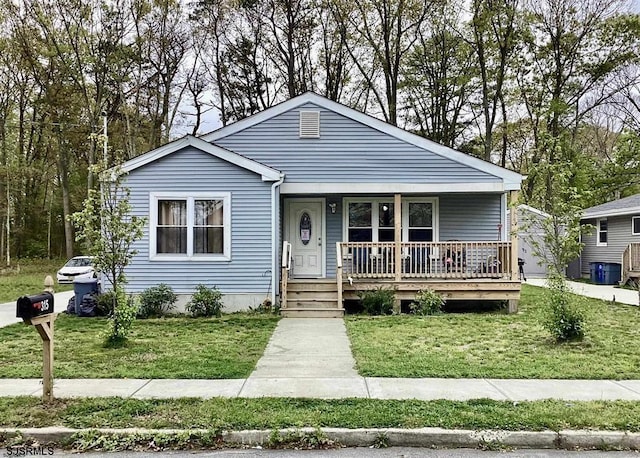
[[214, 348], [498, 345], [29, 279], [268, 413]]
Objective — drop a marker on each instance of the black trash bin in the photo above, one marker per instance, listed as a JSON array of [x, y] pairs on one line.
[[82, 286], [605, 273]]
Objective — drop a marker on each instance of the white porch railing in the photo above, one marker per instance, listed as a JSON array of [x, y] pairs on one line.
[[481, 259]]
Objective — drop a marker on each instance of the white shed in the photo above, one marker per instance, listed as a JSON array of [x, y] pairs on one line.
[[530, 229]]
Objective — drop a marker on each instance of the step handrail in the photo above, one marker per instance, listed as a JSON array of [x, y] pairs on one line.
[[284, 274]]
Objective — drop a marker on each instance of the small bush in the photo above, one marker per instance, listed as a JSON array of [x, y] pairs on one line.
[[563, 320], [205, 302], [266, 307], [378, 301], [156, 301], [121, 321], [427, 302], [104, 303]]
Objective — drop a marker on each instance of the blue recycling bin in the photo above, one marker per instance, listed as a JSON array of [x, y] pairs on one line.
[[605, 273], [82, 286]]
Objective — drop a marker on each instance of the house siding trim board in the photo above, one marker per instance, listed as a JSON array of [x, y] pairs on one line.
[[267, 173]]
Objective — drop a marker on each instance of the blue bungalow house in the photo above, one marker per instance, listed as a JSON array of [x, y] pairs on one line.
[[310, 201]]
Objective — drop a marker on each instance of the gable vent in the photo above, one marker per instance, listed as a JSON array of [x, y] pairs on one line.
[[309, 124]]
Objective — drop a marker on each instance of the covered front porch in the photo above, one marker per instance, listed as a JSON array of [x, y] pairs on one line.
[[393, 242], [478, 270]]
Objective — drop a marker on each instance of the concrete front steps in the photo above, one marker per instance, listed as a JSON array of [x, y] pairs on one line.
[[314, 298]]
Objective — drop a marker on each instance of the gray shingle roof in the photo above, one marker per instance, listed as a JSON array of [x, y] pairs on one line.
[[624, 206]]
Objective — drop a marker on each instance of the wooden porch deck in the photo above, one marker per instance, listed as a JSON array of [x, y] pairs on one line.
[[631, 263], [482, 270]]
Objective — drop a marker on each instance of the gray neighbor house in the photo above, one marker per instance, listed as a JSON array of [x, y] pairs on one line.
[[616, 238], [309, 202]]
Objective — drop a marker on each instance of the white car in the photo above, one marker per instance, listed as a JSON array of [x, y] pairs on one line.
[[78, 267]]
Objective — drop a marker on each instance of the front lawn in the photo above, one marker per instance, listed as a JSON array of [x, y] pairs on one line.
[[496, 345], [270, 413], [211, 348]]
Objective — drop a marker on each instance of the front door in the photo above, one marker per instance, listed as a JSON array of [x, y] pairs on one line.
[[305, 231]]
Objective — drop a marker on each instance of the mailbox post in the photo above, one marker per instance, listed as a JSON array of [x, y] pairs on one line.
[[37, 310]]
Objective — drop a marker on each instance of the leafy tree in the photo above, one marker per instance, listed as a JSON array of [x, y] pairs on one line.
[[561, 242], [494, 42], [108, 228], [438, 80]]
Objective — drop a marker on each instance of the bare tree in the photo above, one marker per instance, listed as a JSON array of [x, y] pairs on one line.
[[380, 35]]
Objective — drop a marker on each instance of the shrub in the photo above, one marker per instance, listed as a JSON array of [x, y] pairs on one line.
[[378, 301], [266, 307], [104, 303], [122, 318], [427, 302], [563, 320], [156, 301], [205, 302]]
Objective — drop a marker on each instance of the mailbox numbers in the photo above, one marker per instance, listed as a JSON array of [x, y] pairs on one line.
[[43, 305]]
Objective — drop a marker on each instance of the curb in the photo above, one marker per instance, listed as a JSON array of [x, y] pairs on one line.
[[422, 437]]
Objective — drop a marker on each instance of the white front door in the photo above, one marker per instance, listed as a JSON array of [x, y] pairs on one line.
[[305, 231]]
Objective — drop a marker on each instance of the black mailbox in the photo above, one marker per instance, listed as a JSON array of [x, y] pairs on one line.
[[36, 305]]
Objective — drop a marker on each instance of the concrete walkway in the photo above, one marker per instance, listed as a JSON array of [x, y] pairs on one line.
[[604, 292], [305, 356], [333, 388]]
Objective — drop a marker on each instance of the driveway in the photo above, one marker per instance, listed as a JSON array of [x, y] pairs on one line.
[[604, 292], [8, 309]]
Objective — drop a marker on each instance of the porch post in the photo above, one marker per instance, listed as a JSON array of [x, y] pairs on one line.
[[513, 231], [397, 218]]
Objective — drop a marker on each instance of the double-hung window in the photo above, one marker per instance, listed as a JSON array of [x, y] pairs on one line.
[[603, 229], [190, 226], [635, 225]]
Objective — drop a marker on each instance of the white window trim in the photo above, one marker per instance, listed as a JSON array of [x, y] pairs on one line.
[[598, 242], [435, 216], [632, 220], [190, 198], [376, 200]]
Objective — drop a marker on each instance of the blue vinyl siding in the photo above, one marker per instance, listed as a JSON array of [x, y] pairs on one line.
[[347, 151], [192, 171], [470, 217]]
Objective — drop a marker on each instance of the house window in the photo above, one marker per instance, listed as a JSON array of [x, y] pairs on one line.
[[419, 218], [370, 221], [602, 232], [196, 227], [635, 225]]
